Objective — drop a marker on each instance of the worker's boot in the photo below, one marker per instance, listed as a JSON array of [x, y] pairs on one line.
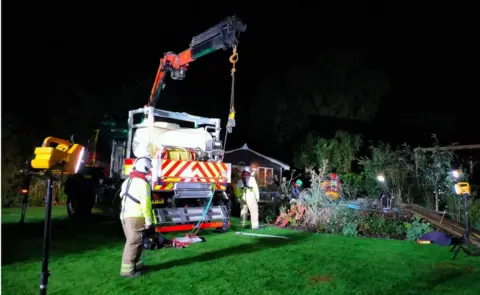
[[130, 274], [127, 270], [142, 269]]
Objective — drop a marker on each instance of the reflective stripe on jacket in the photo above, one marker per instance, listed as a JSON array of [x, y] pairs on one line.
[[136, 199], [242, 191]]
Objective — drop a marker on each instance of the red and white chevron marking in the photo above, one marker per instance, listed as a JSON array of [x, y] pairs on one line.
[[190, 171]]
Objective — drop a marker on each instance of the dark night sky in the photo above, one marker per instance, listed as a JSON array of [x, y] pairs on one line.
[[426, 52]]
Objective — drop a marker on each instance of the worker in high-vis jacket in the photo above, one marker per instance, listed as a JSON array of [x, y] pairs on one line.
[[136, 215], [248, 195]]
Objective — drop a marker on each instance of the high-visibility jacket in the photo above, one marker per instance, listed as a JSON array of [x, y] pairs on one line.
[[136, 198], [251, 189]]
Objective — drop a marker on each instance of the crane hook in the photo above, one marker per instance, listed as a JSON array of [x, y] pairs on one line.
[[234, 58]]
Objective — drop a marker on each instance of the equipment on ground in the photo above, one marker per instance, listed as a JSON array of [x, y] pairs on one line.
[[435, 237], [55, 157], [332, 188], [152, 240], [186, 152], [261, 235], [296, 213], [186, 241]]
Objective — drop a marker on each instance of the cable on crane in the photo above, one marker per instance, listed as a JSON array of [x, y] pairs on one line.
[[231, 115]]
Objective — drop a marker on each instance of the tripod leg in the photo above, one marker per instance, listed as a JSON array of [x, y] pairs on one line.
[[46, 238], [467, 247], [24, 210], [454, 247], [456, 253]]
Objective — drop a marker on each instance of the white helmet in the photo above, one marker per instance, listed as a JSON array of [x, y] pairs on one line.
[[246, 169], [143, 165]]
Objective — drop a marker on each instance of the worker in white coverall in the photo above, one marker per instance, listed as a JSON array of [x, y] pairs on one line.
[[136, 215], [248, 196]]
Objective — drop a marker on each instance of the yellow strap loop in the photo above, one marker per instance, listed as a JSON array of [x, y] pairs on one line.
[[232, 113]]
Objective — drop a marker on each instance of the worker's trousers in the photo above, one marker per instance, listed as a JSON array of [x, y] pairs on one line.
[[132, 253], [249, 203]]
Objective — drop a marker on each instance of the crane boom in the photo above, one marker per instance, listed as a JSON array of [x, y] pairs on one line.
[[222, 36]]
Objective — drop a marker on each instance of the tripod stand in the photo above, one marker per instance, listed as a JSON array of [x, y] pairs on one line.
[[25, 191], [464, 243], [24, 209], [46, 235], [47, 225]]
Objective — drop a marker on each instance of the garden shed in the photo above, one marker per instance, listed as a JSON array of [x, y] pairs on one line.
[[268, 171]]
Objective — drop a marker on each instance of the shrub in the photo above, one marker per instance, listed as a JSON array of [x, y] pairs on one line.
[[38, 192], [377, 225], [352, 185], [474, 214], [317, 205], [350, 229], [269, 212], [417, 228], [12, 180]]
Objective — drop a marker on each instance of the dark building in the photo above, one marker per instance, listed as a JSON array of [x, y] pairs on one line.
[[267, 171]]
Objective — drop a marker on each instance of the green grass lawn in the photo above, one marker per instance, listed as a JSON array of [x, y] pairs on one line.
[[86, 260]]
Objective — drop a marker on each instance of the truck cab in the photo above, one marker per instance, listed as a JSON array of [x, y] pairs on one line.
[[97, 180]]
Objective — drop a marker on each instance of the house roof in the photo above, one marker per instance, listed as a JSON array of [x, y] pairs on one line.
[[245, 148]]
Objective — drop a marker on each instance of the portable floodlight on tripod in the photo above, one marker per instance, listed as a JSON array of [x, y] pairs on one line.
[[463, 190], [55, 156]]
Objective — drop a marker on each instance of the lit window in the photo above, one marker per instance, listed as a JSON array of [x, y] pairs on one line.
[[264, 176]]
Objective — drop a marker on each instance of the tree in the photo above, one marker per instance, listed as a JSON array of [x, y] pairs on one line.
[[395, 165], [338, 152], [15, 146], [335, 84], [433, 178]]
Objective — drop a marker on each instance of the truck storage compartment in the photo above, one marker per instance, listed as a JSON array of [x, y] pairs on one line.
[[168, 134]]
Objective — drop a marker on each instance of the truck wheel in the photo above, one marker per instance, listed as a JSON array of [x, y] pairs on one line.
[[72, 208], [78, 207], [117, 203], [80, 196]]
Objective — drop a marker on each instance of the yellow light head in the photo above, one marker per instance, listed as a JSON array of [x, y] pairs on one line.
[[55, 151], [462, 188]]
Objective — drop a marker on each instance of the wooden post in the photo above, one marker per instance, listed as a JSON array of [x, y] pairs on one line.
[[450, 148], [471, 167]]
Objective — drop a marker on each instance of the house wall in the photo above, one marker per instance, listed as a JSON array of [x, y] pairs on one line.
[[270, 175], [267, 173]]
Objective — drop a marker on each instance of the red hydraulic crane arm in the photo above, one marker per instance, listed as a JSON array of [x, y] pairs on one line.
[[222, 36]]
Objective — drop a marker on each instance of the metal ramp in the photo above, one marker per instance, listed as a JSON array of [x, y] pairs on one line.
[[183, 219]]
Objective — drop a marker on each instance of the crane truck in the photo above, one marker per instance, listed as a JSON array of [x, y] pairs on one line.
[[186, 151]]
